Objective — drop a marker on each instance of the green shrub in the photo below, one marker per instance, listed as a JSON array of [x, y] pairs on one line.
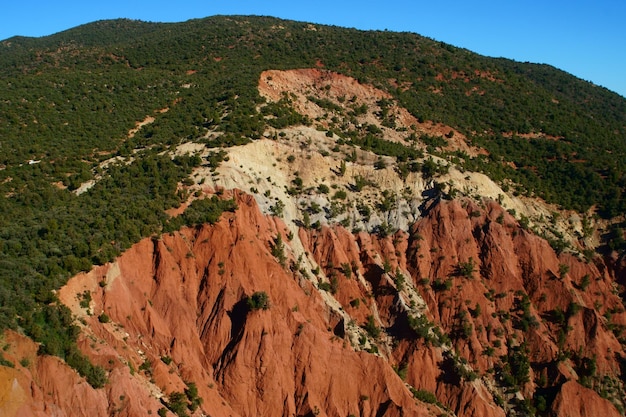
[[584, 282], [440, 285], [476, 311], [104, 318], [192, 396], [277, 209], [371, 328], [257, 301], [85, 299], [424, 396], [466, 269], [6, 362], [340, 195], [177, 403], [323, 189], [346, 269], [146, 366], [278, 250], [421, 326]]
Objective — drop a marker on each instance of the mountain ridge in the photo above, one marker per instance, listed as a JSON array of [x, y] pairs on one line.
[[405, 237], [185, 49], [139, 295]]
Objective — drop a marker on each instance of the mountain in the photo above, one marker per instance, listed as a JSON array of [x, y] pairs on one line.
[[250, 216]]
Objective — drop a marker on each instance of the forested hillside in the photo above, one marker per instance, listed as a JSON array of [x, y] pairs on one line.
[[70, 97], [72, 100]]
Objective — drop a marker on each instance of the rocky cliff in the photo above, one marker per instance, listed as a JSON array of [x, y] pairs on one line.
[[387, 328], [341, 286]]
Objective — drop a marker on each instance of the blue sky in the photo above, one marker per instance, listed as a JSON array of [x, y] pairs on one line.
[[584, 37]]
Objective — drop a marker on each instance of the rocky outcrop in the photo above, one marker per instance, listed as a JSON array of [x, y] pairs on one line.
[[347, 92], [574, 400], [176, 314], [513, 311], [450, 302], [458, 313], [466, 311], [45, 386]]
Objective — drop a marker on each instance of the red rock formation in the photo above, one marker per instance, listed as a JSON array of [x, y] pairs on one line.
[[184, 297], [45, 386], [574, 400], [512, 297], [179, 315]]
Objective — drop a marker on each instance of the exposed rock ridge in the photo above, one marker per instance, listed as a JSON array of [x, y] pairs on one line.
[[405, 295], [179, 315]]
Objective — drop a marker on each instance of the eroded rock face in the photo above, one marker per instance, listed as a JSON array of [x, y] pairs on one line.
[[339, 88], [575, 400], [489, 294], [45, 385], [178, 314], [499, 292]]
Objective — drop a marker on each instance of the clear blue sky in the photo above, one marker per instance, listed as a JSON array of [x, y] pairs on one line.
[[584, 37]]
